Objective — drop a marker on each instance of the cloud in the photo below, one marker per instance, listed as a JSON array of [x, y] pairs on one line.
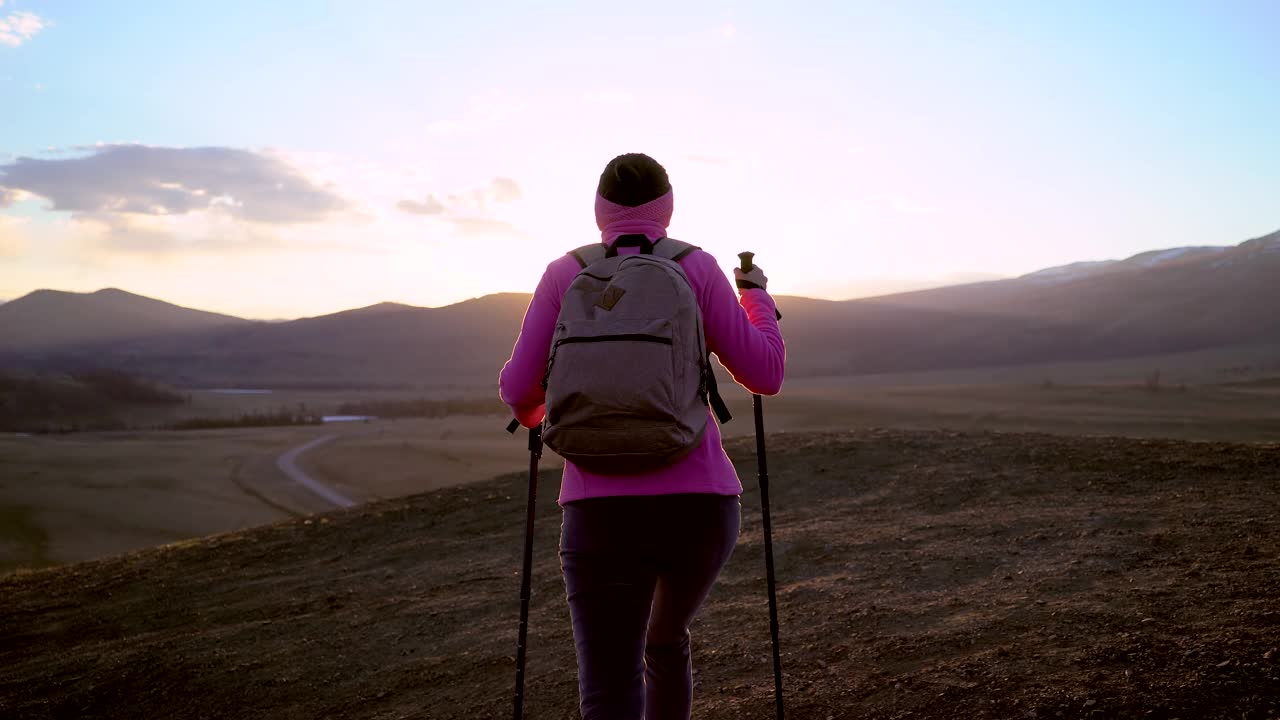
[[498, 191], [504, 190], [99, 235], [156, 237], [430, 206], [7, 197], [164, 237], [471, 211], [128, 233], [144, 180], [727, 30], [19, 27]]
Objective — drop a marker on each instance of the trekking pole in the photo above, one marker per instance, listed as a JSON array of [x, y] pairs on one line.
[[535, 452], [758, 405]]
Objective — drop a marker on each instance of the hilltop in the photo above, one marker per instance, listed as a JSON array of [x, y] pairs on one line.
[[924, 575], [47, 319]]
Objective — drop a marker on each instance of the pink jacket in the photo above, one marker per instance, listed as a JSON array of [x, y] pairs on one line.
[[745, 337]]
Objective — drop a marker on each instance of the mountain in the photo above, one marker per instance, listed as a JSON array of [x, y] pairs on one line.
[[47, 319], [381, 345], [1220, 286], [1151, 259], [1160, 302], [1156, 303]]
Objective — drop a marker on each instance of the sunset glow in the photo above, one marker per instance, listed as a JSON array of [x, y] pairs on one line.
[[288, 159]]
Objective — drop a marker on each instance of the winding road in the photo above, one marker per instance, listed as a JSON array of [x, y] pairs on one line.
[[288, 464]]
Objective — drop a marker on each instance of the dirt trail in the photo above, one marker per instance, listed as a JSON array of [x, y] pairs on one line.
[[920, 575], [288, 464]]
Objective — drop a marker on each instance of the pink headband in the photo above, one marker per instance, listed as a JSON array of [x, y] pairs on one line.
[[650, 219]]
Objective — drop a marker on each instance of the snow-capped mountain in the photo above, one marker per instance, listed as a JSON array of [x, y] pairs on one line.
[[1146, 260]]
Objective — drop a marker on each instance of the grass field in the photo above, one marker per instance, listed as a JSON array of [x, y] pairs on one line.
[[68, 498], [215, 404], [1242, 413], [76, 497], [85, 496], [396, 458]]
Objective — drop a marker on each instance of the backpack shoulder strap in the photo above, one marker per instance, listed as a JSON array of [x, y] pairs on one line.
[[588, 254], [713, 395], [677, 250], [673, 249]]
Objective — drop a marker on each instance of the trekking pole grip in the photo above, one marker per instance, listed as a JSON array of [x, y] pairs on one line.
[[747, 266]]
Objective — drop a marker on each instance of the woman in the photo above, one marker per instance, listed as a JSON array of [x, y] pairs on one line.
[[640, 553]]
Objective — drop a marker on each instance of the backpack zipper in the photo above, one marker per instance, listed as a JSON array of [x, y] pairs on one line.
[[633, 337]]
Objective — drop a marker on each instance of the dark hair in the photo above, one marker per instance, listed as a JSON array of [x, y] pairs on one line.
[[633, 179]]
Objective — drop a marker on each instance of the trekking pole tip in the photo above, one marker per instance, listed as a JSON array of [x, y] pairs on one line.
[[746, 258]]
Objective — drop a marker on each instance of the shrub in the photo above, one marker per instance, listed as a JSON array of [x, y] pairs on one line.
[[422, 407]]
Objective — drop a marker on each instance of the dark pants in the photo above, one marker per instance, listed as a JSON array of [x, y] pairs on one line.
[[636, 570]]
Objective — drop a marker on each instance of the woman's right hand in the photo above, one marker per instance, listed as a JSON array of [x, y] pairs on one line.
[[752, 280]]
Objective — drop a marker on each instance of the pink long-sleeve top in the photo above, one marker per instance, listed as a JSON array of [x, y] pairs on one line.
[[742, 332]]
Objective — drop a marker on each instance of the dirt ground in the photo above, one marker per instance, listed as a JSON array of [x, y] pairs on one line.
[[920, 575]]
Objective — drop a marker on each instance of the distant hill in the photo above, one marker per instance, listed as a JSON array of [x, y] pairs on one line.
[[49, 319], [1072, 291], [93, 399], [1156, 303], [381, 345]]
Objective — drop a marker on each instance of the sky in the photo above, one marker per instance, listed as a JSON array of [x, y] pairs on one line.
[[285, 159]]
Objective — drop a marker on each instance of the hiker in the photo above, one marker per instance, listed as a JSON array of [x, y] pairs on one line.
[[641, 548]]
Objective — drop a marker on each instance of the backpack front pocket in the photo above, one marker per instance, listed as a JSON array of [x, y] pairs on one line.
[[603, 372]]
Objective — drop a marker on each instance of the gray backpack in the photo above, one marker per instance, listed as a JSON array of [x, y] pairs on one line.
[[628, 378]]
